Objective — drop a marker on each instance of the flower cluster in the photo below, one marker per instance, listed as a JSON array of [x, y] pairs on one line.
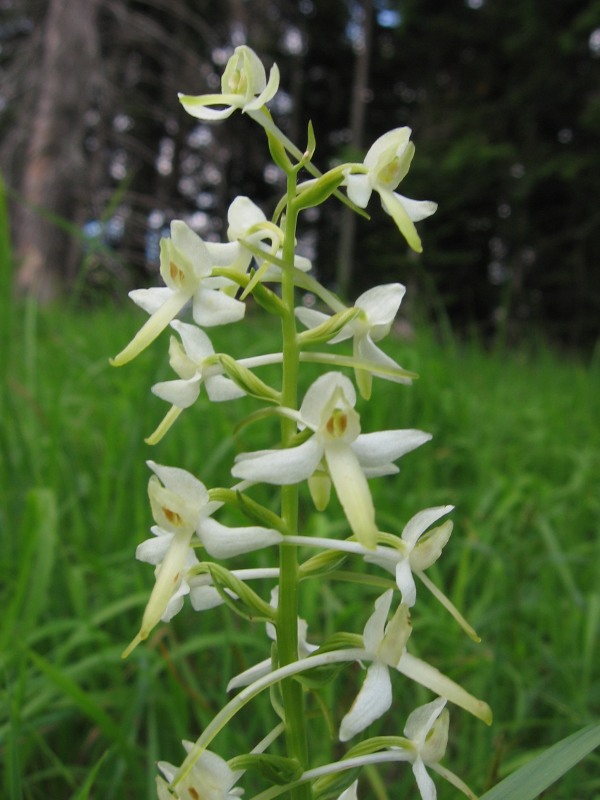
[[323, 446]]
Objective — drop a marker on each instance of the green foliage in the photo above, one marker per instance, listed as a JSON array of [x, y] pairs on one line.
[[516, 446]]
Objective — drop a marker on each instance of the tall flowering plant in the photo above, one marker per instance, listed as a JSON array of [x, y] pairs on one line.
[[322, 448]]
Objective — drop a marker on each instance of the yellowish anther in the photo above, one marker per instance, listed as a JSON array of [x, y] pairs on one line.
[[195, 795], [176, 273], [389, 174], [173, 517], [337, 423]]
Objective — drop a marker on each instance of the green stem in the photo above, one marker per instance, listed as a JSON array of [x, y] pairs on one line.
[[287, 615]]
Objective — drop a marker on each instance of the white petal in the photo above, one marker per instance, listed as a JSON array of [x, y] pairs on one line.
[[424, 782], [191, 246], [152, 551], [204, 598], [350, 793], [406, 582], [372, 701], [223, 254], [395, 208], [358, 188], [353, 491], [242, 215], [375, 626], [280, 467], [179, 393], [223, 542], [417, 209], [152, 328], [310, 317], [430, 677], [319, 395], [381, 447], [268, 92], [219, 389], [418, 524], [175, 604], [151, 299], [213, 307], [420, 721], [429, 548], [198, 109], [181, 482], [196, 343], [381, 303], [387, 146]]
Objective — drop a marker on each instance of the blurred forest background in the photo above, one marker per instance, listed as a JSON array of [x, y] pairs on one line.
[[503, 97]]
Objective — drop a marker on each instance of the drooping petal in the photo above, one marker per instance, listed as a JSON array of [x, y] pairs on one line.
[[219, 388], [179, 393], [353, 491], [430, 677], [150, 300], [153, 551], [417, 209], [372, 701], [280, 467], [199, 106], [152, 328], [358, 188], [406, 582], [424, 782], [212, 307], [395, 208], [223, 542], [367, 351], [382, 447]]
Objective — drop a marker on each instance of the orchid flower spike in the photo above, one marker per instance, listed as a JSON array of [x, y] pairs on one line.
[[378, 308], [211, 778], [387, 162], [336, 451], [186, 263], [243, 85], [182, 509]]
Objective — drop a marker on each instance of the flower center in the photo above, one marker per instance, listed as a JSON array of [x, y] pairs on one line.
[[238, 82], [390, 174], [337, 424], [176, 273], [173, 517]]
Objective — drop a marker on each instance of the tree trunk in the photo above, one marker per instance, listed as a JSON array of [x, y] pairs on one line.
[[54, 172]]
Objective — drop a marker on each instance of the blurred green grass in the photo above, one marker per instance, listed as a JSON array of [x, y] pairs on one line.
[[516, 448]]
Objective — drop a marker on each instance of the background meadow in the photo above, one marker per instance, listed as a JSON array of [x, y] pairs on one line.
[[516, 448]]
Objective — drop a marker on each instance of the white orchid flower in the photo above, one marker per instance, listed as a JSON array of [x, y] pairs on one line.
[[249, 225], [427, 728], [420, 550], [336, 450], [264, 667], [211, 778], [186, 263], [350, 793], [378, 307], [387, 162], [182, 508], [384, 645], [243, 85]]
